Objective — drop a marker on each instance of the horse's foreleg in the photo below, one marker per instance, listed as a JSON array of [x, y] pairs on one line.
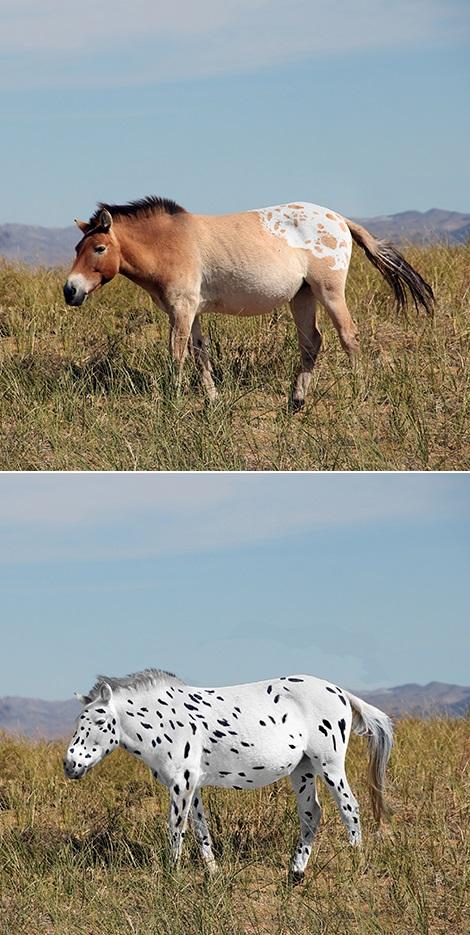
[[180, 806], [304, 312], [201, 830], [202, 359], [308, 807], [182, 315]]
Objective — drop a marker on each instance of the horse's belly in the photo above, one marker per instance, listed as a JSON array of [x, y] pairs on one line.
[[253, 289], [246, 304], [251, 775], [261, 751]]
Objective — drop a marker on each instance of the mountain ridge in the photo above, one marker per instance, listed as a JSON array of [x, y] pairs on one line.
[[36, 245]]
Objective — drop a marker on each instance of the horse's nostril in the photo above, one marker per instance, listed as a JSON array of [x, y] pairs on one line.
[[70, 291]]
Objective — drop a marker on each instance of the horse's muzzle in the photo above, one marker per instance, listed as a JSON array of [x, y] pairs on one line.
[[74, 295], [74, 772]]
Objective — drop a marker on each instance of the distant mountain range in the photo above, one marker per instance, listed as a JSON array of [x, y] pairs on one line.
[[434, 226], [435, 698], [53, 246], [38, 246], [32, 717]]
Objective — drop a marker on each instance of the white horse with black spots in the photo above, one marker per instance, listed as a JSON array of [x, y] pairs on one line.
[[237, 737]]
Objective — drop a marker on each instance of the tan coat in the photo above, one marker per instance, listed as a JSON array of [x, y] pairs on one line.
[[235, 264]]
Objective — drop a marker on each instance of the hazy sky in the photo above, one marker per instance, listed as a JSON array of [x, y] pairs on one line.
[[362, 579], [361, 105]]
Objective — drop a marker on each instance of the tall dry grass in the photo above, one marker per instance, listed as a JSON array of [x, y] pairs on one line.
[[89, 388], [91, 857]]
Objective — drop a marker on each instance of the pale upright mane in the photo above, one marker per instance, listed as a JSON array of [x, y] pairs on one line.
[[145, 679], [143, 207]]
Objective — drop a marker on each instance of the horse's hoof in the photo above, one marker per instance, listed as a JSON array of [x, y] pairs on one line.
[[210, 402], [296, 877], [297, 405]]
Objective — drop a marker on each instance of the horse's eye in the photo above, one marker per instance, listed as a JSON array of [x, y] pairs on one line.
[[100, 248]]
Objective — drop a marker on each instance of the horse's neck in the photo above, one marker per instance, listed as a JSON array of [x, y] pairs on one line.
[[129, 706], [141, 242]]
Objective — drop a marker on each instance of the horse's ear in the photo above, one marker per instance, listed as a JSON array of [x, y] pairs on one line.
[[105, 692], [83, 699], [82, 225], [106, 221]]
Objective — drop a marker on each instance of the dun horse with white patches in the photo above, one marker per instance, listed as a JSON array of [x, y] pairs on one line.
[[236, 264], [238, 737]]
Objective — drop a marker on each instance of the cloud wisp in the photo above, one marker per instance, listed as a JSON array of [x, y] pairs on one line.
[[118, 517], [114, 44]]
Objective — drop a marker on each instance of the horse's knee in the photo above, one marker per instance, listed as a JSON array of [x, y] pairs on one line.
[[311, 349], [317, 341], [316, 813]]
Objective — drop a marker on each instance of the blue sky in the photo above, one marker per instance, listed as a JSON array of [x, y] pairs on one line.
[[362, 579], [361, 105]]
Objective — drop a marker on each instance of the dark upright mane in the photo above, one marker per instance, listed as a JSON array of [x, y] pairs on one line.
[[152, 204]]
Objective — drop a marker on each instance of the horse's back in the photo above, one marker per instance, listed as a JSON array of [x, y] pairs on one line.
[[260, 731]]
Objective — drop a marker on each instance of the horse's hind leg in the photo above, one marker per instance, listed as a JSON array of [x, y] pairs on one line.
[[339, 788], [308, 807], [201, 830], [303, 307], [330, 292], [202, 358]]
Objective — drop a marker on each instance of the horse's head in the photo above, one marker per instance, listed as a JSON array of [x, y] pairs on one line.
[[96, 733], [97, 262]]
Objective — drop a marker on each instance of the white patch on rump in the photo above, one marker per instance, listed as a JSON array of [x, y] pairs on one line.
[[310, 227]]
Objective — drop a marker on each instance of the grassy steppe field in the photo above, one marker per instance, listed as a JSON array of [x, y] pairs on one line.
[[81, 858], [89, 387]]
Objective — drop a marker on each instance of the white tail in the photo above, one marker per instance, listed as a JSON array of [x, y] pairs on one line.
[[378, 728]]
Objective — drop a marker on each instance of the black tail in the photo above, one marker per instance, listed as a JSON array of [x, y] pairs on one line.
[[394, 268]]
